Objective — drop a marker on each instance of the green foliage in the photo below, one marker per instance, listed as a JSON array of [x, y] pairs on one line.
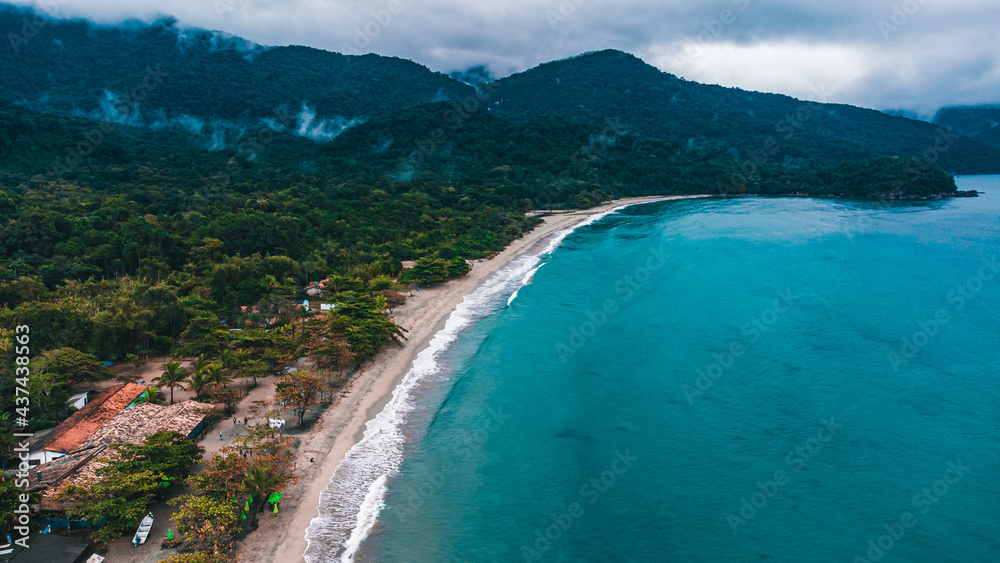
[[73, 365], [427, 270], [207, 524], [150, 242], [173, 376], [120, 500], [10, 500], [362, 322], [165, 452], [130, 481]]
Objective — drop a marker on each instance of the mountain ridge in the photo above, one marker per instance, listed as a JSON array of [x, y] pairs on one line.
[[219, 87]]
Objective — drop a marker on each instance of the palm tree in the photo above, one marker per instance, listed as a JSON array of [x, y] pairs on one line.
[[215, 374], [261, 482], [173, 376], [227, 358], [152, 396], [198, 383], [200, 363]]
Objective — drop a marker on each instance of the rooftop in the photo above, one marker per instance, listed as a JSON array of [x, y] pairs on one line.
[[49, 548], [81, 425], [52, 472], [137, 423]]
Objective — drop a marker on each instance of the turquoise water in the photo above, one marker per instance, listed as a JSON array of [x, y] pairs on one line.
[[725, 380]]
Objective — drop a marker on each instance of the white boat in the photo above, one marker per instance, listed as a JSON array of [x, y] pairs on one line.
[[143, 532]]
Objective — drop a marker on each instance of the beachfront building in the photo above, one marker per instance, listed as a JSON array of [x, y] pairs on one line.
[[129, 426], [81, 425]]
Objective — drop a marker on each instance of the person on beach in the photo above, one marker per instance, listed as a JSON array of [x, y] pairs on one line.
[[220, 435]]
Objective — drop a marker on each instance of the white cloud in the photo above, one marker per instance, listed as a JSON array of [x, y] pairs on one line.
[[804, 70]]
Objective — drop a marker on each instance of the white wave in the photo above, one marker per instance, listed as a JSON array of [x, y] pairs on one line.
[[367, 516], [527, 280], [351, 503]]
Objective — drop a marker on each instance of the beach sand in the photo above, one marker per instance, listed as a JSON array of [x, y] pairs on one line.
[[281, 538]]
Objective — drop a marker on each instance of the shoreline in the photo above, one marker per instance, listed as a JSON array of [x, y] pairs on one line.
[[342, 425]]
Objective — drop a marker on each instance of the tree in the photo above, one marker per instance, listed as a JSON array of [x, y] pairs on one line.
[[228, 359], [152, 396], [167, 452], [427, 270], [200, 363], [120, 500], [173, 376], [49, 392], [332, 353], [10, 500], [223, 474], [206, 525], [298, 390], [198, 383], [261, 481], [130, 479], [393, 298], [362, 321], [74, 365], [226, 396], [217, 375]]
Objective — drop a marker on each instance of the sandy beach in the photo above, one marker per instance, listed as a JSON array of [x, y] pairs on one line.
[[282, 539]]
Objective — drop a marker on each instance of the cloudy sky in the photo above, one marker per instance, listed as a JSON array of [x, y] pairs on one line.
[[916, 55]]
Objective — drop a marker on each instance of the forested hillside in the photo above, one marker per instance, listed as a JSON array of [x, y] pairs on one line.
[[981, 123], [218, 87], [615, 87]]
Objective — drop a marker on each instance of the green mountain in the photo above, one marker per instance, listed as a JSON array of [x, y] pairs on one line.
[[162, 75], [620, 90], [981, 123], [220, 87]]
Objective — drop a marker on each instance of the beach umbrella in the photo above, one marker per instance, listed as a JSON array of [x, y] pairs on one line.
[[275, 497], [170, 534], [243, 516], [246, 505]]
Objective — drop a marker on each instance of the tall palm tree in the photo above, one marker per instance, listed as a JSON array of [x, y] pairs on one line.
[[173, 376], [198, 383], [215, 374]]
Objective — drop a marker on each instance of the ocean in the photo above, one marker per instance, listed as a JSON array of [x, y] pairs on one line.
[[752, 379]]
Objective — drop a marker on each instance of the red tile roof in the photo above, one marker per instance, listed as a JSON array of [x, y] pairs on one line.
[[82, 424]]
